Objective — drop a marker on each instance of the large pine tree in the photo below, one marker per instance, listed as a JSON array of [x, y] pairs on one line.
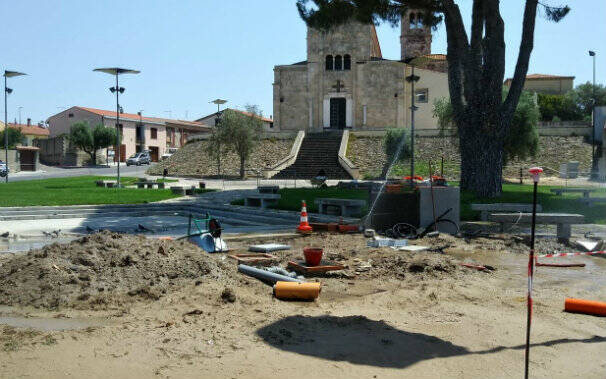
[[476, 69]]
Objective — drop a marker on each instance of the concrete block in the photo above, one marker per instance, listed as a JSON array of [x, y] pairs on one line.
[[444, 198]]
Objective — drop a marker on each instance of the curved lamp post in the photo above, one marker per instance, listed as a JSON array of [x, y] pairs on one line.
[[7, 91], [116, 71]]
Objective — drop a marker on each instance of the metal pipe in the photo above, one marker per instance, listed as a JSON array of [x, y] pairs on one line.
[[118, 127], [265, 275], [5, 130]]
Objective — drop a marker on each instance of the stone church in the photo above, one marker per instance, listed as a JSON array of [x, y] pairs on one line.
[[345, 83]]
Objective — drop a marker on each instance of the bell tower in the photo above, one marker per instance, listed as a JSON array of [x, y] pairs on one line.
[[415, 37]]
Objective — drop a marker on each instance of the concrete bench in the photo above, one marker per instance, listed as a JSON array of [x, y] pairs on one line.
[[106, 183], [562, 220], [262, 200], [586, 191], [345, 207], [178, 190], [150, 185], [268, 189], [486, 209]]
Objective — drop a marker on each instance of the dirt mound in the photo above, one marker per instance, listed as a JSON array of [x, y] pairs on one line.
[[103, 268]]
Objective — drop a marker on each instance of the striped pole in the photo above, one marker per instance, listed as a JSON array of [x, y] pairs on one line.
[[535, 172]]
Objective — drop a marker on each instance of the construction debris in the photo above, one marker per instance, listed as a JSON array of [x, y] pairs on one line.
[[386, 242], [268, 247]]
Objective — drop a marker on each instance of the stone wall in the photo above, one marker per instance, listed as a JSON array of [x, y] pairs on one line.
[[368, 155], [194, 160]]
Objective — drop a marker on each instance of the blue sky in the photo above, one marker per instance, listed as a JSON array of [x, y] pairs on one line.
[[192, 51]]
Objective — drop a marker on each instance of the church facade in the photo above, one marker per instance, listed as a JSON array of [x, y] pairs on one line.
[[345, 83]]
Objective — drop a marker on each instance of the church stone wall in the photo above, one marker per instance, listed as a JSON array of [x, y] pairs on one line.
[[381, 87], [291, 104], [352, 38]]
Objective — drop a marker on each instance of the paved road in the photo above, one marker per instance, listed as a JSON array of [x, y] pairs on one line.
[[56, 172]]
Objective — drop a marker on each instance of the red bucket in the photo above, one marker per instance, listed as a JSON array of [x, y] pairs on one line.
[[313, 255]]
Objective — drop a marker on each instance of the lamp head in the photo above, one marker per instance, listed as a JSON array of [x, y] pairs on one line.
[[9, 90], [121, 89], [535, 172], [591, 53], [112, 89]]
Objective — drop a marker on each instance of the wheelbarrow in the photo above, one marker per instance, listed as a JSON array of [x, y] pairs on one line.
[[206, 233]]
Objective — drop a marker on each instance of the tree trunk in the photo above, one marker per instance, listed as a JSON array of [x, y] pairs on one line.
[[481, 158], [94, 157], [242, 172]]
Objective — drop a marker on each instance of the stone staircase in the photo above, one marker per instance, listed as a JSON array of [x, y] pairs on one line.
[[319, 151]]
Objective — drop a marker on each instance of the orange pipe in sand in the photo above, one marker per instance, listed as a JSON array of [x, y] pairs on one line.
[[297, 291], [585, 306]]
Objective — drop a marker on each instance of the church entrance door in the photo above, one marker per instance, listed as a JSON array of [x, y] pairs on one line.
[[337, 113]]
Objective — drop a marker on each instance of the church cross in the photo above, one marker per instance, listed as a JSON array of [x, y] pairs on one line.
[[338, 86]]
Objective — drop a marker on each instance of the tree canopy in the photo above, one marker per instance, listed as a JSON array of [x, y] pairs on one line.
[[14, 137], [242, 132], [89, 141]]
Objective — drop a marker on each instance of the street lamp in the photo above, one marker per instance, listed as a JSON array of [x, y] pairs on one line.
[[594, 170], [116, 71], [7, 91]]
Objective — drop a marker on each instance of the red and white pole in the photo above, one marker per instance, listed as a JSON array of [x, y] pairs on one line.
[[535, 172]]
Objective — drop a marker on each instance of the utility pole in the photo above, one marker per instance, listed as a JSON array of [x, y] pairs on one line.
[[594, 162]]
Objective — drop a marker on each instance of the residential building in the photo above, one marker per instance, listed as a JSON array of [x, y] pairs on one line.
[[138, 132], [30, 132], [210, 120], [547, 84]]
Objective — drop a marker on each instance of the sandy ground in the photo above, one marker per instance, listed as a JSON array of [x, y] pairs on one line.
[[389, 314]]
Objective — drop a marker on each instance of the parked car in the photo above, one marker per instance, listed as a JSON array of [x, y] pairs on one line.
[[3, 169], [138, 159], [169, 152]]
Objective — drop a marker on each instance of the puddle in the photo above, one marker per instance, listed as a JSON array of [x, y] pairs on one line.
[[25, 244], [47, 324]]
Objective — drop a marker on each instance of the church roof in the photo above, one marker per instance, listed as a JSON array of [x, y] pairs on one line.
[[376, 46]]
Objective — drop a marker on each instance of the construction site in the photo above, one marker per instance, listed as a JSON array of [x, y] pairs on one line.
[[307, 295]]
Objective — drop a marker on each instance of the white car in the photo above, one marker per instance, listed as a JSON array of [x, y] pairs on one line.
[[169, 152], [3, 169]]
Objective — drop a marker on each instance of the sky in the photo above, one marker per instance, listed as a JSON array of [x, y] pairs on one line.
[[190, 52]]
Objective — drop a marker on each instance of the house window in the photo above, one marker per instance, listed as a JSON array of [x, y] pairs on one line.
[[70, 115], [338, 63], [154, 133], [347, 62], [271, 125], [329, 63], [422, 95]]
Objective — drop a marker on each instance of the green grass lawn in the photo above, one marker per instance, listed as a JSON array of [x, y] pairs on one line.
[[76, 191], [512, 193]]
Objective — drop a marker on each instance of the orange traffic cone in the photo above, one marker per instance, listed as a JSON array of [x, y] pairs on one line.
[[304, 224]]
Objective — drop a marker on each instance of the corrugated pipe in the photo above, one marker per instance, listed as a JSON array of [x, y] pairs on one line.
[[265, 275]]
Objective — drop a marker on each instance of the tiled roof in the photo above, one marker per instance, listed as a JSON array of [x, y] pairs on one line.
[[546, 76], [436, 57], [542, 77], [136, 117], [265, 119], [30, 130]]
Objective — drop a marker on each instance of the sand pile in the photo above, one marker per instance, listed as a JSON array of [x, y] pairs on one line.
[[103, 268]]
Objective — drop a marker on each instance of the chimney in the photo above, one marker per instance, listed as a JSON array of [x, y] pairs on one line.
[[29, 122]]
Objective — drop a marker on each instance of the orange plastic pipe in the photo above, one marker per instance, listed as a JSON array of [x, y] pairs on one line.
[[585, 306], [297, 291]]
